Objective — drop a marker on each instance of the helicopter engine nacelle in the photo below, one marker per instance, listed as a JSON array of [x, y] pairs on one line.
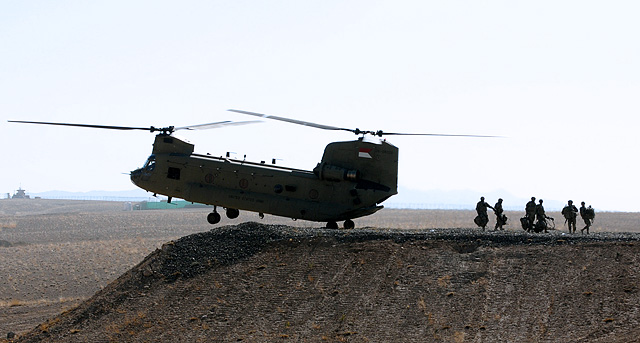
[[334, 173]]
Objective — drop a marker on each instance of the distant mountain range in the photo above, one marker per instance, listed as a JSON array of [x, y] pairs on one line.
[[406, 198]]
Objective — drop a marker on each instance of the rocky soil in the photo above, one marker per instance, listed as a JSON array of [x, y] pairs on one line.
[[71, 271], [264, 283]]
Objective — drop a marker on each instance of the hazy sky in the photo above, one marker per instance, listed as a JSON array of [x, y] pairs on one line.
[[559, 79]]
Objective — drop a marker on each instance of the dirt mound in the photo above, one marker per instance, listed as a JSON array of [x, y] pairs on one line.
[[265, 283]]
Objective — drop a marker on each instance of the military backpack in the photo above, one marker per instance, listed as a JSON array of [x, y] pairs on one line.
[[589, 213], [568, 212]]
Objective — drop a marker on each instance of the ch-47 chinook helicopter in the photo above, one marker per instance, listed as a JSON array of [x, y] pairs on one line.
[[351, 181]]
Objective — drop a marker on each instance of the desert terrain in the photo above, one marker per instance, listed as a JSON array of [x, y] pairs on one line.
[[90, 271]]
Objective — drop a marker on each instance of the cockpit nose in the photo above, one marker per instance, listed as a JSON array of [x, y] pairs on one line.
[[136, 175], [144, 173]]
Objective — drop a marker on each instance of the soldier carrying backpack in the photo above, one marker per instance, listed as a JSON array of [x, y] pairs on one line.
[[501, 218], [482, 219], [541, 218], [530, 215], [570, 212], [588, 214]]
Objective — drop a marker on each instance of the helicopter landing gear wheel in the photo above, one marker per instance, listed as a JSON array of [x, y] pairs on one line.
[[213, 218], [349, 224], [232, 213], [332, 225]]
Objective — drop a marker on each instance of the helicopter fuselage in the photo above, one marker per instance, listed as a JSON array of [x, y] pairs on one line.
[[352, 180]]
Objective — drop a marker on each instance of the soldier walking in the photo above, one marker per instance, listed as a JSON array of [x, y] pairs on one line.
[[501, 219], [541, 216], [530, 213], [588, 215], [481, 208], [570, 212]]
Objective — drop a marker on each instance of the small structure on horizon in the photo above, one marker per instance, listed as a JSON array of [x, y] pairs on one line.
[[20, 194]]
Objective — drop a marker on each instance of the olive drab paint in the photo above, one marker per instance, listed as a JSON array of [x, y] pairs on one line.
[[343, 186]]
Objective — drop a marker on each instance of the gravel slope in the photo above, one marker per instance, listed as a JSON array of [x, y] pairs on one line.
[[264, 283]]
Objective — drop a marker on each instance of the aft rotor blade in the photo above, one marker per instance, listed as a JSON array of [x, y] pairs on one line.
[[380, 133], [217, 125], [356, 131], [85, 125], [294, 121]]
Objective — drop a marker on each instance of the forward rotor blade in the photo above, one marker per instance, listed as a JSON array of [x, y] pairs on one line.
[[294, 121], [217, 125], [84, 125]]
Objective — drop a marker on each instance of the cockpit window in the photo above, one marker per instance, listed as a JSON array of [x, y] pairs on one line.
[[150, 164]]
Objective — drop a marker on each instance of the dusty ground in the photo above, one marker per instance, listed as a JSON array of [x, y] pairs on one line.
[[308, 284]]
